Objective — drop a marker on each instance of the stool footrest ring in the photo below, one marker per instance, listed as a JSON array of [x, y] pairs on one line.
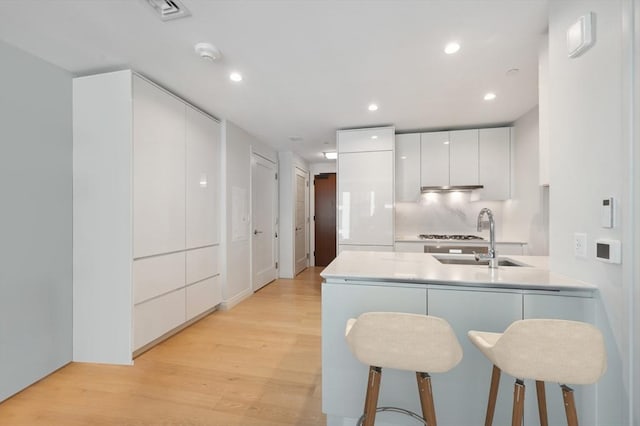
[[395, 410]]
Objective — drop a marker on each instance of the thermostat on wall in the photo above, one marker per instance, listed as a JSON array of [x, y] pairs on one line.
[[608, 251], [580, 36]]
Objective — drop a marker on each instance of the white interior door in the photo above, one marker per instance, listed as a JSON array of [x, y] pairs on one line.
[[301, 231], [264, 219]]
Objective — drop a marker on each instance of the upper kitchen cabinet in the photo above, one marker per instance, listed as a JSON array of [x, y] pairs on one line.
[[434, 159], [158, 171], [365, 188], [364, 140], [449, 158], [463, 157], [495, 163], [202, 179], [145, 215], [408, 167]]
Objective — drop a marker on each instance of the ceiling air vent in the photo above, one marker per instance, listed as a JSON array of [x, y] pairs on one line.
[[169, 9]]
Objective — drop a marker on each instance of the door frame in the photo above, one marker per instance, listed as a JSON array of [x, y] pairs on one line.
[[302, 172], [276, 201]]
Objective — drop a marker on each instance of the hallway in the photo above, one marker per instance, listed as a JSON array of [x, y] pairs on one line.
[[257, 364]]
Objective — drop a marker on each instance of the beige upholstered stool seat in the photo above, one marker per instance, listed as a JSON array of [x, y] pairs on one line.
[[421, 343], [544, 350]]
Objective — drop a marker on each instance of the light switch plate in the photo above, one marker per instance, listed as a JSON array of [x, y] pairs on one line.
[[580, 244]]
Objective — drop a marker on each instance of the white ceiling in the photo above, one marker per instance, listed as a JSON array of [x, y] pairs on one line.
[[309, 67]]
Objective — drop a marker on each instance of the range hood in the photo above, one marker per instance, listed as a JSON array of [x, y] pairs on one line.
[[450, 188]]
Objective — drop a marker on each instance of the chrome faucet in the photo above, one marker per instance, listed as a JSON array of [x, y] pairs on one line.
[[491, 255]]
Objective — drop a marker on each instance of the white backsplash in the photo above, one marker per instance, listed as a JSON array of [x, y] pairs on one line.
[[445, 213]]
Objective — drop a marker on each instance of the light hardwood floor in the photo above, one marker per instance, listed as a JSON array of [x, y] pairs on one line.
[[257, 364]]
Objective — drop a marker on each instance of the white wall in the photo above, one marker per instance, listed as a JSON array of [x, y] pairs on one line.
[[35, 220], [236, 260], [288, 161], [316, 169], [590, 160], [526, 215]]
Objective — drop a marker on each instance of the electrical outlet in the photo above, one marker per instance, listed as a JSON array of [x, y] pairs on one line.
[[580, 244]]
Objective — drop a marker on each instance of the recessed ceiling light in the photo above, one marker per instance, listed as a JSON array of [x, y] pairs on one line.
[[235, 77], [374, 137], [451, 48], [404, 157], [446, 142], [513, 72], [330, 155], [489, 96], [373, 107]]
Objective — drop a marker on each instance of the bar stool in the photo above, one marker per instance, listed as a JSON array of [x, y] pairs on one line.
[[421, 343], [544, 350]]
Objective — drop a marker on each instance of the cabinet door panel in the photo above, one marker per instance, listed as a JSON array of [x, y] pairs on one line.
[[202, 179], [469, 381], [202, 263], [463, 160], [365, 201], [568, 308], [155, 317], [157, 275], [495, 163], [408, 167], [344, 378], [434, 156], [158, 171], [203, 296], [364, 140]]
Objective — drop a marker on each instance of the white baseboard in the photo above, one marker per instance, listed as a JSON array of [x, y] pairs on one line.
[[230, 303]]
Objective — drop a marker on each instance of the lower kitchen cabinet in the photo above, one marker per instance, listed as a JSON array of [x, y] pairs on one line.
[[202, 296], [344, 378], [155, 317], [467, 385], [461, 394], [154, 276]]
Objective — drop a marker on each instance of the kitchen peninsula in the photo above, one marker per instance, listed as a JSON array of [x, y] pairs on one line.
[[469, 297]]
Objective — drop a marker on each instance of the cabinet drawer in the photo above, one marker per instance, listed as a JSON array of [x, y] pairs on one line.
[[154, 276], [203, 296], [362, 140], [202, 263], [153, 318]]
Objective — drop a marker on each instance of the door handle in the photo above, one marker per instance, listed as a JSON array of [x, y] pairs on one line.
[[256, 232]]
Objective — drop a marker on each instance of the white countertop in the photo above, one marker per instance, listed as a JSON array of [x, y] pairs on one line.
[[423, 268]]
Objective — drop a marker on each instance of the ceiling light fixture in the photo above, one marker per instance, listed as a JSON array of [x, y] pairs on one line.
[[489, 96], [207, 51], [451, 48], [330, 155], [373, 107], [235, 77]]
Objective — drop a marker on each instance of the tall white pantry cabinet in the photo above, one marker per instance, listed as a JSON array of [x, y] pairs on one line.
[[146, 203]]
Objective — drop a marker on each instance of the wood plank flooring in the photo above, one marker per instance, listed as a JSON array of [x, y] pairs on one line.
[[257, 364]]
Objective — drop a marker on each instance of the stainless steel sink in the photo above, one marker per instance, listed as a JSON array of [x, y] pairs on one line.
[[449, 260]]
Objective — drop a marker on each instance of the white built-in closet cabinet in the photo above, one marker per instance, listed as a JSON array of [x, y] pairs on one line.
[[146, 174]]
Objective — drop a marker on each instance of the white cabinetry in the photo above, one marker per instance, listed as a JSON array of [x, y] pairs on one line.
[[365, 188], [495, 163], [463, 157], [434, 159], [408, 167], [457, 157], [146, 186]]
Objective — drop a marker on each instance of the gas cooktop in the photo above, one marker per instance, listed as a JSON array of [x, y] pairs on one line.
[[449, 237]]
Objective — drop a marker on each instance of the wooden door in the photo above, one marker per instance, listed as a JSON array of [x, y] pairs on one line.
[[325, 218]]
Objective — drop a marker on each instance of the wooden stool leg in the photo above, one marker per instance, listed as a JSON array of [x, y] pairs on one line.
[[569, 405], [426, 398], [493, 395], [371, 400], [542, 403], [518, 403]]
